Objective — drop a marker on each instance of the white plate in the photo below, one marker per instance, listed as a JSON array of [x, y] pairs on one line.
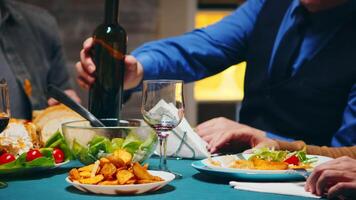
[[126, 189], [206, 167]]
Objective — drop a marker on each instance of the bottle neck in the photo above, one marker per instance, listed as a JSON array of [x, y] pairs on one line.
[[111, 11]]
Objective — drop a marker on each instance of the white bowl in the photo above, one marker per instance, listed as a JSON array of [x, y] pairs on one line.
[[126, 189]]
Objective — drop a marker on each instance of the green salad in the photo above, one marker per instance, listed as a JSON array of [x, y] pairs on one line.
[[100, 146], [283, 156], [54, 152]]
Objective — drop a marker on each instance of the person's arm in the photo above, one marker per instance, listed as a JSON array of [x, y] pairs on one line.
[[346, 135], [333, 152], [202, 52]]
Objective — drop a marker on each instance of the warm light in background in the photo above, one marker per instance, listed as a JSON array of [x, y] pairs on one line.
[[227, 85]]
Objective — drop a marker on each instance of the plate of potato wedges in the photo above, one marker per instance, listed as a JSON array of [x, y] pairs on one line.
[[117, 174]]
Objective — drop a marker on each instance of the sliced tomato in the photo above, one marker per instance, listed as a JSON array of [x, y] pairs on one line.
[[293, 160], [6, 158], [33, 154]]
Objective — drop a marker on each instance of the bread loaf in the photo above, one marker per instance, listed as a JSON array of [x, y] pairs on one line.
[[51, 119]]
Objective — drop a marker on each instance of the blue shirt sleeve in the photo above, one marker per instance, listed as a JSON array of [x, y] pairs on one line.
[[202, 52], [346, 135], [278, 137]]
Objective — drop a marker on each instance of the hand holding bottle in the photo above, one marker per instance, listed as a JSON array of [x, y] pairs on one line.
[[86, 68]]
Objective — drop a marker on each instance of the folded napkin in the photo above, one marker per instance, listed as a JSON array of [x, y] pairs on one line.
[[183, 141], [290, 188]]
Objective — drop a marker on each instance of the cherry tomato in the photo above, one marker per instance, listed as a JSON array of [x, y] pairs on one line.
[[33, 154], [6, 158], [58, 155], [294, 160]]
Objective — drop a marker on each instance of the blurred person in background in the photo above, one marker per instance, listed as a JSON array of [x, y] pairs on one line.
[[31, 57]]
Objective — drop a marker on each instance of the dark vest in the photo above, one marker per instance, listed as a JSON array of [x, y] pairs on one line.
[[309, 105]]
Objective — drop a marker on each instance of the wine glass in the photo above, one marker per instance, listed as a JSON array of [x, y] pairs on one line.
[[163, 109], [4, 105], [4, 113]]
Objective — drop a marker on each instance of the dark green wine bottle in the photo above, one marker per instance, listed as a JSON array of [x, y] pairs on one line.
[[108, 52]]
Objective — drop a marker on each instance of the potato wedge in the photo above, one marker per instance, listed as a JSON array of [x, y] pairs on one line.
[[143, 181], [123, 155], [112, 182], [95, 169], [88, 168], [103, 161], [94, 180], [123, 176], [85, 174], [140, 172], [118, 162], [108, 170], [131, 181], [74, 174]]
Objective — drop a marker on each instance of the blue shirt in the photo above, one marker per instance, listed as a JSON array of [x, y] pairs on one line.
[[207, 51]]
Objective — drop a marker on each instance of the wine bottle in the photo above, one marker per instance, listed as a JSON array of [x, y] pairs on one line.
[[108, 52]]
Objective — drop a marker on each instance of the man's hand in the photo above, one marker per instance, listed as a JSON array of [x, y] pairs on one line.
[[86, 69], [336, 178], [221, 132], [71, 93]]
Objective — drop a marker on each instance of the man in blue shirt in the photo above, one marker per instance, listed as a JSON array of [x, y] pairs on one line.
[[303, 89]]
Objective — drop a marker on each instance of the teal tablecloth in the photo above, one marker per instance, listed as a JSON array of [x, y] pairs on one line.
[[50, 185]]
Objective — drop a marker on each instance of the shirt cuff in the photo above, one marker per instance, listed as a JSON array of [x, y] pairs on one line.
[[150, 70], [278, 137]]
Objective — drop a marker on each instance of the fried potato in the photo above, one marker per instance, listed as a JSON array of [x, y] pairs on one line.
[[123, 176], [108, 170], [143, 181], [157, 178], [123, 155], [116, 169], [104, 161], [95, 169], [131, 181], [113, 182], [118, 162], [140, 172], [74, 174], [93, 180], [85, 174], [88, 168]]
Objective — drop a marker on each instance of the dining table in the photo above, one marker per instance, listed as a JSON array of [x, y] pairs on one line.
[[50, 184]]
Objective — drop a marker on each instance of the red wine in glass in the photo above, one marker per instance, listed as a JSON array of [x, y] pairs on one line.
[[4, 105], [162, 108], [4, 121]]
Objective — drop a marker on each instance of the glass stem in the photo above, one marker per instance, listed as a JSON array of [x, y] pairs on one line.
[[163, 153]]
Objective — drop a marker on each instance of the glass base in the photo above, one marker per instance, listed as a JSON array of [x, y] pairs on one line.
[[176, 174], [3, 184]]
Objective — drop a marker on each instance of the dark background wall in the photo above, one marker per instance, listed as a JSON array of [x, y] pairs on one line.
[[78, 18]]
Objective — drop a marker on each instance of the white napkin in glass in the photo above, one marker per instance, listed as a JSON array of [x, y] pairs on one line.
[[289, 188], [182, 141]]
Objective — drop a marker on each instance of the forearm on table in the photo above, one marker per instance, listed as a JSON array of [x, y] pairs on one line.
[[333, 152]]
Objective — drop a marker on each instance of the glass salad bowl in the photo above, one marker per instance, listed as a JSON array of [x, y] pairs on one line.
[[89, 144]]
